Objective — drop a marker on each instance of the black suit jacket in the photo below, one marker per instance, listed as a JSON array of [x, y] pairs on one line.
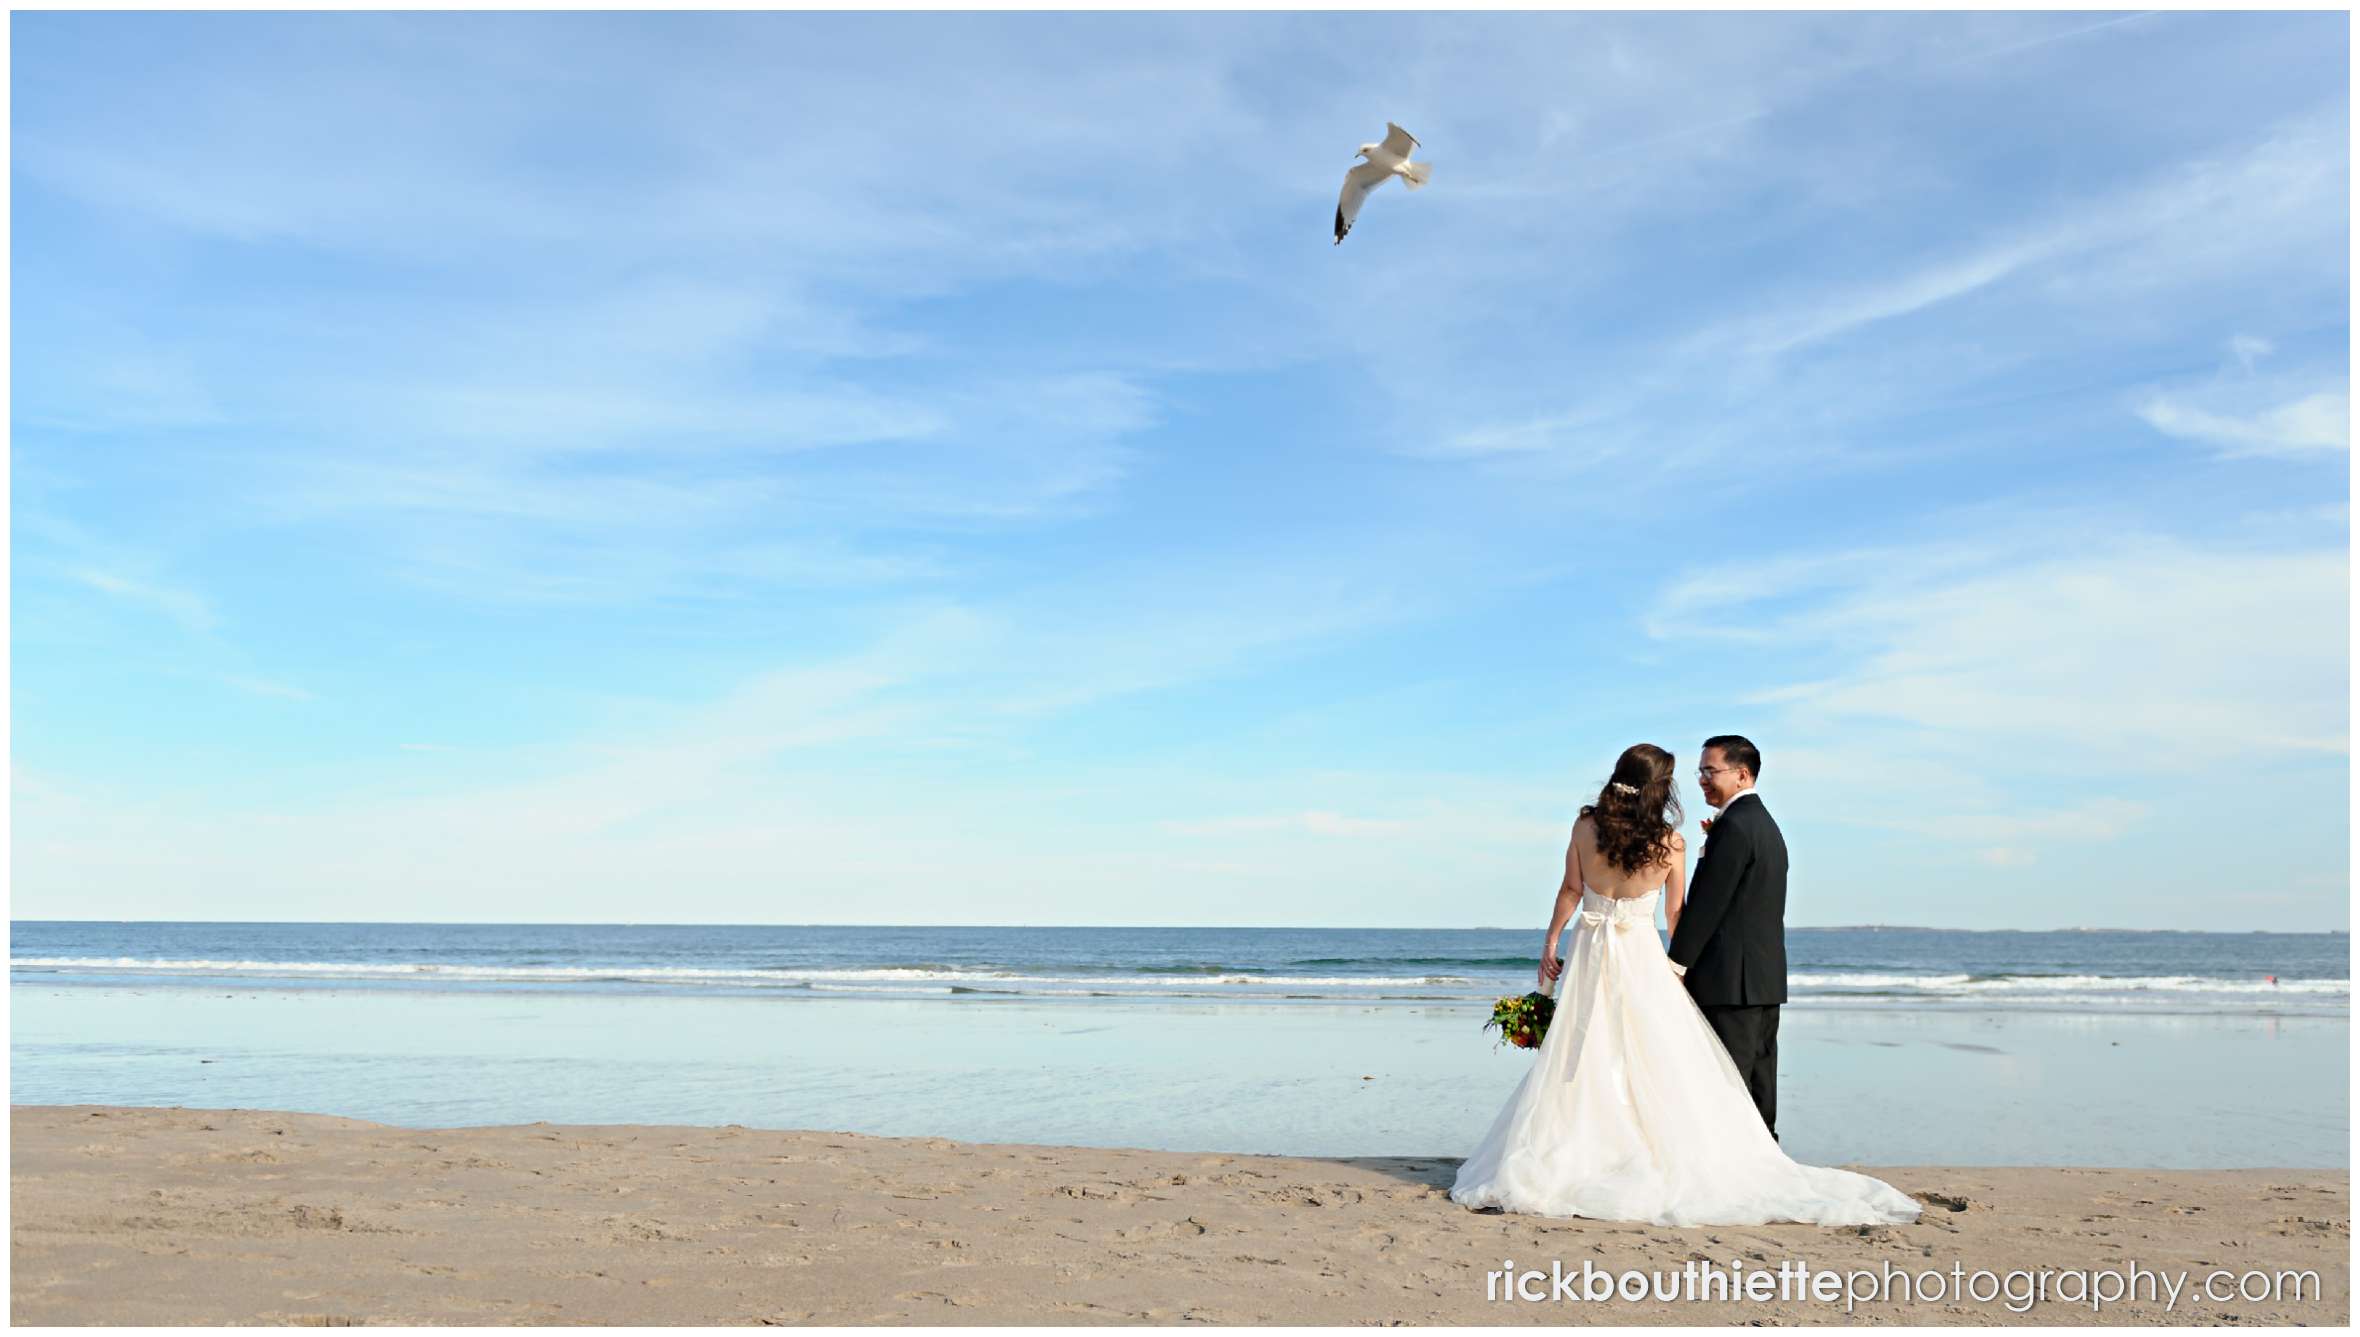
[[1732, 934]]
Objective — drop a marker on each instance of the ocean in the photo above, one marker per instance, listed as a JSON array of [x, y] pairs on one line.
[[1898, 1046], [2239, 973]]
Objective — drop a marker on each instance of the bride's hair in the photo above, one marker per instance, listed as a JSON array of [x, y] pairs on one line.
[[1637, 812]]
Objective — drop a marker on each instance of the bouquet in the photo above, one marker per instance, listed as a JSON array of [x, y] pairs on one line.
[[1523, 1020]]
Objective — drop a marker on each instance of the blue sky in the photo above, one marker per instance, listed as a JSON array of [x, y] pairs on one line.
[[936, 469]]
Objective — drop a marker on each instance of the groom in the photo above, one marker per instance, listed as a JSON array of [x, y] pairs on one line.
[[1732, 936]]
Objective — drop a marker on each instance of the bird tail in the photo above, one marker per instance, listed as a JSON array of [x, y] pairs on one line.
[[1415, 174]]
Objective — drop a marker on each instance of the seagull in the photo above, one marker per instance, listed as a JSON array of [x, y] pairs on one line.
[[1385, 161]]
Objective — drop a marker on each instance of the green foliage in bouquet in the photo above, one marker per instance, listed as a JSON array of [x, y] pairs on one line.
[[1523, 1021]]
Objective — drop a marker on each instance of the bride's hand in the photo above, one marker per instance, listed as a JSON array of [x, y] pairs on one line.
[[1550, 965]]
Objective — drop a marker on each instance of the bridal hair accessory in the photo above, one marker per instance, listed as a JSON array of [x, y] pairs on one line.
[[1523, 1020], [1620, 788]]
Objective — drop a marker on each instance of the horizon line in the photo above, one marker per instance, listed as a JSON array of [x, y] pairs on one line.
[[1399, 928]]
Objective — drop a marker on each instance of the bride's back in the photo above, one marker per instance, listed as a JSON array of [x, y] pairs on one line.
[[1611, 881]]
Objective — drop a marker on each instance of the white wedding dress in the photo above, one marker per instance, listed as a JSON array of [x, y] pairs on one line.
[[1633, 1111]]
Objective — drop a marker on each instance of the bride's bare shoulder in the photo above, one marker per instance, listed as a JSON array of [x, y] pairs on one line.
[[1585, 834]]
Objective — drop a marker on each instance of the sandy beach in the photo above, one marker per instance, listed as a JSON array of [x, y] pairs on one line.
[[154, 1216]]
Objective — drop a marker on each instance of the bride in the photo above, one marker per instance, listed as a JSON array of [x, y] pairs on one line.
[[1632, 1110]]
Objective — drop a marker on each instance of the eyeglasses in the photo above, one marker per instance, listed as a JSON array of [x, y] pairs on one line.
[[1707, 772]]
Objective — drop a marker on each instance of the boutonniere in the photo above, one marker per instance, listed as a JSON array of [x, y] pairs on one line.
[[1708, 826]]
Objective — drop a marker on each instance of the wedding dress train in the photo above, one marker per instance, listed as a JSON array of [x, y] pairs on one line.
[[1632, 1110]]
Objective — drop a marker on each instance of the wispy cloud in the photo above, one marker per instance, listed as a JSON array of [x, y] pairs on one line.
[[2046, 38], [716, 508], [1828, 366], [2313, 425], [1308, 823], [2096, 820], [2119, 646], [186, 607], [2011, 839], [1904, 295], [267, 687], [1552, 433], [2223, 208]]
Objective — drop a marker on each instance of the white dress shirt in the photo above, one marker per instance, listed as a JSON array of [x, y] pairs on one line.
[[1734, 798]]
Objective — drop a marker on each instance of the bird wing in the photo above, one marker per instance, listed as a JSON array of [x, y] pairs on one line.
[[1357, 184], [1398, 141]]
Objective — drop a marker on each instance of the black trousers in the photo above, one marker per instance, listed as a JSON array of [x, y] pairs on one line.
[[1750, 1034]]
